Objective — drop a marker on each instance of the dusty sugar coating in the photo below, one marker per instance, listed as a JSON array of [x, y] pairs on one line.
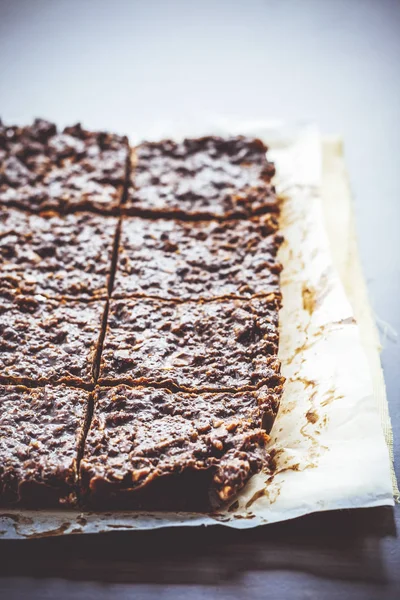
[[45, 341], [197, 346], [39, 434], [57, 256], [142, 438], [203, 177], [192, 260], [41, 169]]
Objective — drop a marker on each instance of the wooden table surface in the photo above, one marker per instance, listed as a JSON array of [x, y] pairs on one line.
[[124, 65]]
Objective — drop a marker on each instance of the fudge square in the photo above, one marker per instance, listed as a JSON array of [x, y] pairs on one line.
[[198, 260], [197, 346], [56, 256], [40, 431], [204, 177], [44, 341], [154, 448], [41, 169]]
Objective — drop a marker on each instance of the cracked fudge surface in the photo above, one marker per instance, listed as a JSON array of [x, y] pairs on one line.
[[44, 341], [204, 177], [191, 338], [144, 440], [42, 169], [193, 260], [197, 346], [40, 430], [57, 256]]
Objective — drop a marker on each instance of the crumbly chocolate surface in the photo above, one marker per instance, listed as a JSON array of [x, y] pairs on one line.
[[42, 169], [185, 371], [44, 341], [197, 346], [205, 259], [204, 177], [143, 436], [39, 434], [57, 256]]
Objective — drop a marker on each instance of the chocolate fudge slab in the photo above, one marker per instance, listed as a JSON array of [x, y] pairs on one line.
[[198, 260], [42, 169], [153, 448], [209, 177], [197, 346], [40, 430], [44, 341], [56, 256]]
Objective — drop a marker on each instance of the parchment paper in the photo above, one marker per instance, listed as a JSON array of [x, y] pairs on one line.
[[328, 440], [337, 200]]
